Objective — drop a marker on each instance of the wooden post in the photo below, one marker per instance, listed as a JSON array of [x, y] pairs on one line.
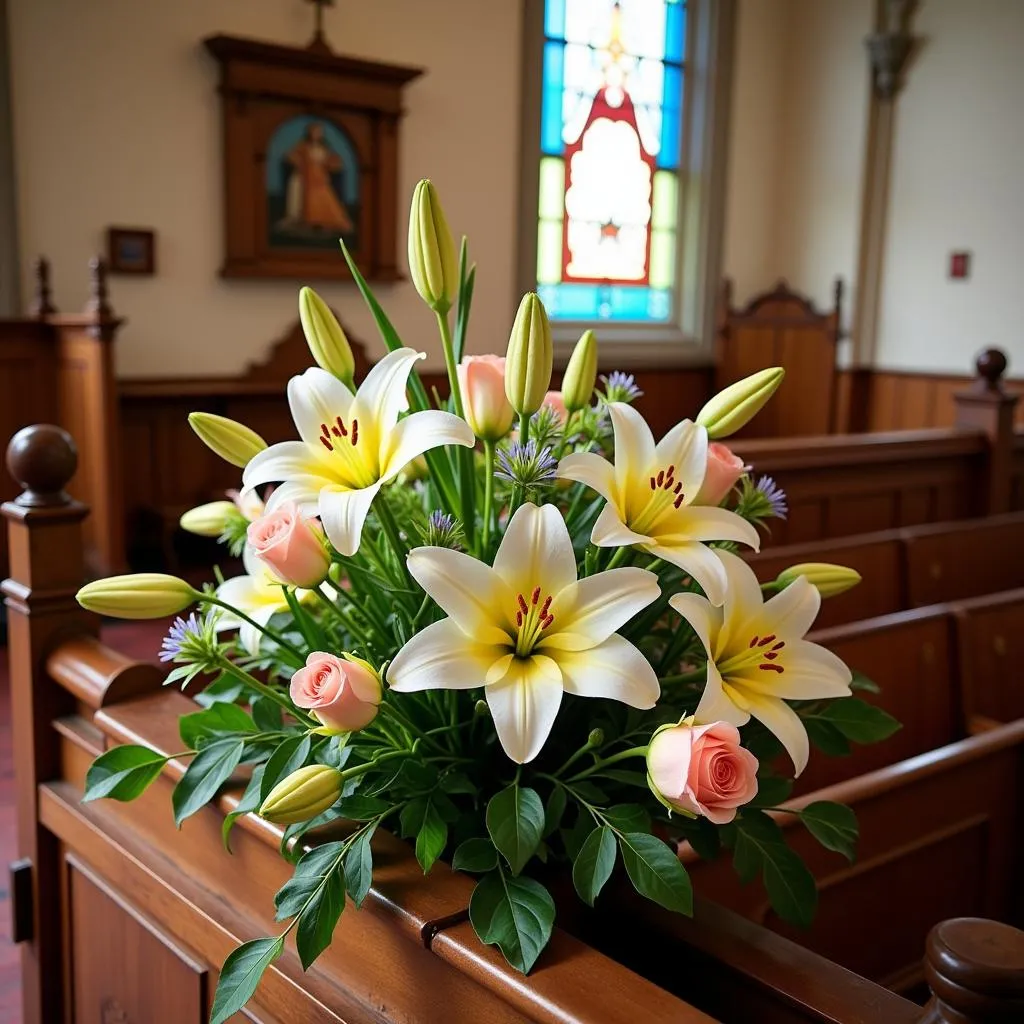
[[986, 406], [45, 543], [88, 408], [975, 969]]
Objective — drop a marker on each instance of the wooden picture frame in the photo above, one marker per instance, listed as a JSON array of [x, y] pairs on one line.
[[310, 156], [131, 251]]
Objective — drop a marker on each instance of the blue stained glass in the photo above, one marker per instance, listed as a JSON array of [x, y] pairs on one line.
[[554, 19], [675, 30], [668, 156], [551, 105], [621, 303]]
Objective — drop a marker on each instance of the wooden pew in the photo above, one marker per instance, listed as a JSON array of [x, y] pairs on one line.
[[118, 913]]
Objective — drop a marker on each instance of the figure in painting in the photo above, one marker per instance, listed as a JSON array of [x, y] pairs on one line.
[[311, 199]]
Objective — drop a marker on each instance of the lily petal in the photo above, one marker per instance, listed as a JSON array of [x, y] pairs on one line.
[[419, 433], [470, 591], [588, 612], [744, 604], [248, 635], [702, 615], [611, 532], [715, 705], [524, 705], [381, 397], [441, 657], [685, 447], [707, 522], [809, 672], [700, 562], [792, 611], [614, 669], [316, 397], [634, 450], [304, 491], [536, 551], [591, 469], [343, 513], [284, 461], [781, 720]]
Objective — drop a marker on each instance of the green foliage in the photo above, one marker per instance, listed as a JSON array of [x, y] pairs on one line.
[[656, 872], [554, 810], [833, 825], [249, 801], [515, 914], [594, 863], [207, 772], [291, 754], [241, 974], [219, 720], [515, 821], [477, 856], [859, 721], [359, 866], [122, 773]]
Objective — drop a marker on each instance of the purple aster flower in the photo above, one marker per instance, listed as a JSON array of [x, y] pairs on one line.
[[774, 495], [179, 635], [443, 531], [620, 387], [526, 464]]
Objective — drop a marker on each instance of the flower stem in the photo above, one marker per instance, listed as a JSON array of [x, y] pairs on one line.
[[488, 493], [449, 362], [622, 755], [415, 730], [524, 428], [685, 677], [619, 557], [267, 691], [387, 522], [265, 630], [344, 618], [588, 746]]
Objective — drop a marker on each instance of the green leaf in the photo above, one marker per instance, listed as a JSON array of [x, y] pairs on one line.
[[224, 688], [859, 721], [320, 916], [515, 821], [290, 756], [790, 886], [209, 770], [574, 838], [267, 715], [361, 808], [122, 773], [826, 737], [628, 818], [656, 871], [515, 914], [249, 801], [861, 682], [311, 870], [455, 783], [594, 864], [833, 825], [625, 776], [772, 790], [704, 838], [220, 719], [590, 791], [359, 867], [478, 856], [554, 810], [431, 838], [241, 974]]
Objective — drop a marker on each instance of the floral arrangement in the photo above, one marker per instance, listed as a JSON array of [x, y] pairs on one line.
[[507, 624]]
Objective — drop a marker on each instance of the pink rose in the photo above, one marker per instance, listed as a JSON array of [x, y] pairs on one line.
[[555, 400], [291, 547], [482, 383], [344, 695], [722, 472], [702, 769]]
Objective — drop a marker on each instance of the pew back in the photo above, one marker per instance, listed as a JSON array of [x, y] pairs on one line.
[[990, 633]]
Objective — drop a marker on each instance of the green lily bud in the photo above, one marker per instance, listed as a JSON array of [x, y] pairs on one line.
[[739, 403], [234, 442], [826, 578], [143, 595], [595, 738], [581, 373], [209, 520], [327, 342], [432, 261], [529, 358], [302, 795]]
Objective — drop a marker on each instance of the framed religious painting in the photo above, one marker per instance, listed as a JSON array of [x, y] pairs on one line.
[[310, 159]]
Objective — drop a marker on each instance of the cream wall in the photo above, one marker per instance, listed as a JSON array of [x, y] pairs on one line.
[[958, 183], [117, 122]]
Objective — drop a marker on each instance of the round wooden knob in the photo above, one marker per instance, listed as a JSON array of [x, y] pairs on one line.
[[976, 970], [991, 365], [42, 458]]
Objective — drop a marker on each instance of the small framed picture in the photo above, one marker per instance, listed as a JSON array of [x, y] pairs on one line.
[[131, 251]]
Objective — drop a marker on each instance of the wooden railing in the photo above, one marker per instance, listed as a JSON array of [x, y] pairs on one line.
[[98, 880]]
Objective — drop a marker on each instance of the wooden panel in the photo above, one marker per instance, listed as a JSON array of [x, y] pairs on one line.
[[950, 561], [990, 640], [909, 655], [124, 970]]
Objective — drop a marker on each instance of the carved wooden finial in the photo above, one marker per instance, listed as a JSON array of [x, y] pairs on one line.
[[42, 459], [991, 365], [42, 302], [975, 969], [98, 304]]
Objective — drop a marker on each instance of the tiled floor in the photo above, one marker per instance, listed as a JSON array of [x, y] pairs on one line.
[[139, 640]]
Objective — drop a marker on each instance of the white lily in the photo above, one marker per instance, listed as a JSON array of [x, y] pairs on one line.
[[527, 631], [650, 489], [350, 445], [258, 594], [758, 658]]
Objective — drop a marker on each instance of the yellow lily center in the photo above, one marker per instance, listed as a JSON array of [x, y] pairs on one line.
[[532, 618], [762, 652], [665, 493], [343, 443]]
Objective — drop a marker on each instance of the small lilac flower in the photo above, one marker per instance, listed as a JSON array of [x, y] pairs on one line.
[[526, 464], [620, 387], [190, 640], [178, 635], [774, 495], [443, 531]]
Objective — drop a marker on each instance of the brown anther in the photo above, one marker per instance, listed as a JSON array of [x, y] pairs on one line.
[[767, 640], [522, 603], [661, 477], [771, 668], [535, 596]]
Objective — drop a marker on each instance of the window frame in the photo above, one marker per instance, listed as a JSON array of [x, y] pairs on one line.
[[688, 336]]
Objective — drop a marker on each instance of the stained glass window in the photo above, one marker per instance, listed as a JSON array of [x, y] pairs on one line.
[[611, 120]]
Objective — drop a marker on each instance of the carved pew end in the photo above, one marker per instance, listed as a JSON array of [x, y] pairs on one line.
[[42, 459], [975, 968]]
